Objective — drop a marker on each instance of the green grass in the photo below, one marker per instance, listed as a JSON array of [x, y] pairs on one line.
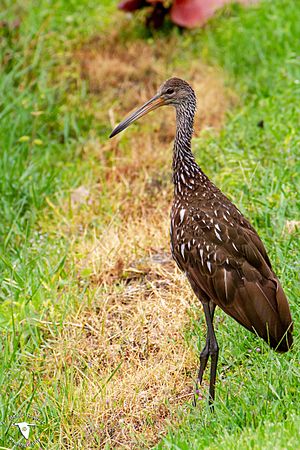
[[42, 132]]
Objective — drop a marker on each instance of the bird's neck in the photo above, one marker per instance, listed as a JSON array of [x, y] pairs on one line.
[[185, 168]]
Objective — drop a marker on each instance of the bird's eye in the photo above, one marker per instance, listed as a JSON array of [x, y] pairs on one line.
[[170, 91]]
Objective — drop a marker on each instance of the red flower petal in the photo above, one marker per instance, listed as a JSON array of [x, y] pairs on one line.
[[192, 13]]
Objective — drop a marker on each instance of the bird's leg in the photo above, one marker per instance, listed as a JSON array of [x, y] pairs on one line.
[[203, 363], [206, 350], [213, 349], [203, 360]]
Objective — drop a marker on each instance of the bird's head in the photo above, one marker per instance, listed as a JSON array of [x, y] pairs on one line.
[[174, 92]]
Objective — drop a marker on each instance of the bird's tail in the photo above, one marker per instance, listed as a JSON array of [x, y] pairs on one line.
[[285, 318], [263, 309]]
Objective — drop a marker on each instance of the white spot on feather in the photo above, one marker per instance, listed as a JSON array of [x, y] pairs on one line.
[[182, 250], [201, 255], [218, 236], [181, 215], [209, 266]]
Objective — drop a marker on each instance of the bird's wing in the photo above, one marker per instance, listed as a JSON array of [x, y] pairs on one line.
[[227, 262]]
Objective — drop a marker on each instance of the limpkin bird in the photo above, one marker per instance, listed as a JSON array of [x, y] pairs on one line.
[[214, 245]]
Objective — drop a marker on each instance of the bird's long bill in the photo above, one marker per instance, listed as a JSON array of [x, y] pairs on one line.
[[150, 105]]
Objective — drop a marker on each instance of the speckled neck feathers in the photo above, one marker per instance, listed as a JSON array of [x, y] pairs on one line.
[[185, 168]]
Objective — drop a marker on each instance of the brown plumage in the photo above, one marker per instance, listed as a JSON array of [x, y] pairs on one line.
[[220, 252]]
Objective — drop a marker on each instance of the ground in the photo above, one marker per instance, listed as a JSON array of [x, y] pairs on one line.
[[100, 331]]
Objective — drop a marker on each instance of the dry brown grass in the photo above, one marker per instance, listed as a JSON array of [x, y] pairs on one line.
[[125, 345], [135, 325], [126, 73]]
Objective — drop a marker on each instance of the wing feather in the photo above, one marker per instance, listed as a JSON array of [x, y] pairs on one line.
[[226, 262], [240, 280]]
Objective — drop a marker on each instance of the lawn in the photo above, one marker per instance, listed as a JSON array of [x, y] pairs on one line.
[[100, 332]]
